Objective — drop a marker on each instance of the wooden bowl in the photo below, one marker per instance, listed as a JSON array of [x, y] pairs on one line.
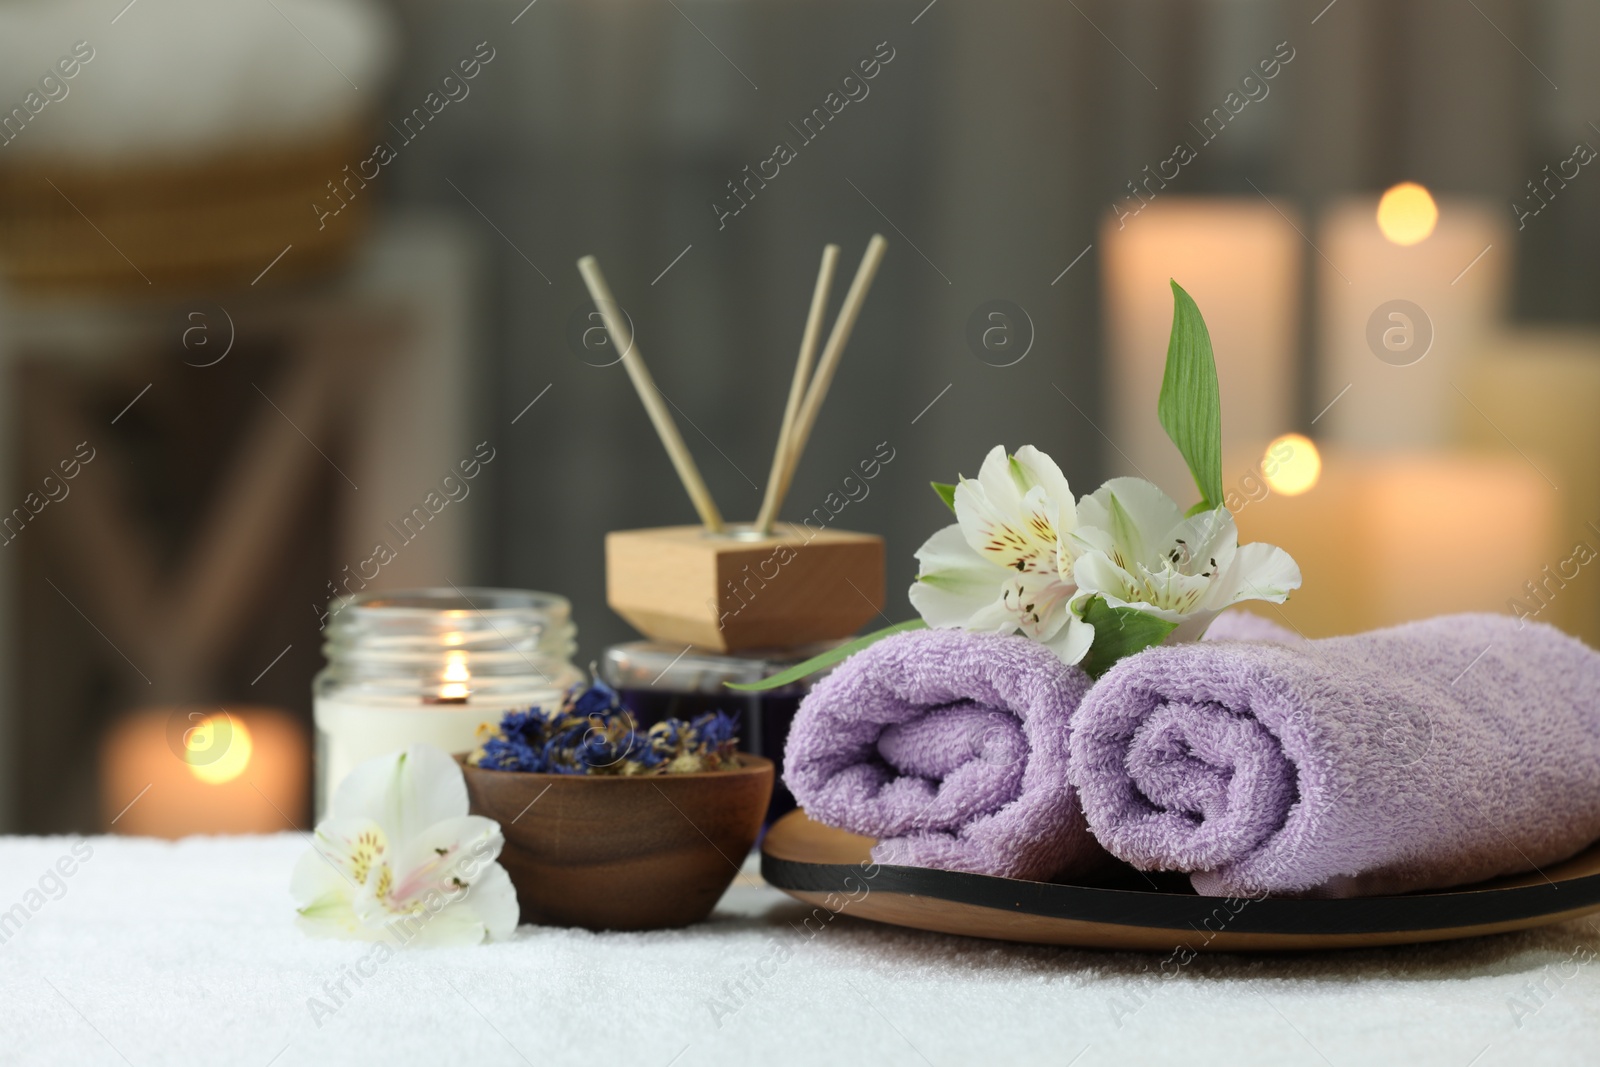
[[623, 853]]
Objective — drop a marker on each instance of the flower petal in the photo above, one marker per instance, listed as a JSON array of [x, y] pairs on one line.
[[1141, 521], [348, 849], [995, 618], [1208, 541], [945, 606], [1259, 572], [1071, 643], [1092, 539], [402, 857], [487, 910], [1036, 606], [494, 901], [1171, 589], [405, 792], [448, 852], [1095, 573], [1192, 628], [996, 481], [1021, 537], [334, 919], [322, 896], [954, 583], [1042, 471], [1098, 576], [947, 550]]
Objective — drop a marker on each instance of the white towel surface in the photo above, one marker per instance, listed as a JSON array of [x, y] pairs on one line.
[[186, 953]]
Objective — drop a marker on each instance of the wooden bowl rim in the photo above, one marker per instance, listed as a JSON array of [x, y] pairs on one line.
[[749, 764]]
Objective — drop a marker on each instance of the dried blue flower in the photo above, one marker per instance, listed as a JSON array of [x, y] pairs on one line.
[[592, 733]]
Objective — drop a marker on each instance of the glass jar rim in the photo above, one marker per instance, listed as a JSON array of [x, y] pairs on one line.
[[501, 631], [420, 603]]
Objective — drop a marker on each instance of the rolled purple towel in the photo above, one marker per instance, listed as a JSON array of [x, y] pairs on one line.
[[950, 747], [1243, 626], [1432, 754]]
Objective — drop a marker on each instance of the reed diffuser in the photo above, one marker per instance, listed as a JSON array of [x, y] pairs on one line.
[[759, 584]]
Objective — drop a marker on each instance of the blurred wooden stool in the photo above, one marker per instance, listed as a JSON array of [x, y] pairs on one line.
[[221, 502], [175, 623]]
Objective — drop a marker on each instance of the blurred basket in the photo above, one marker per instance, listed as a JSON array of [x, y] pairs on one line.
[[211, 222]]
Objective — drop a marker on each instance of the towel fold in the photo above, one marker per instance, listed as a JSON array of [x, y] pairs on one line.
[[1428, 755], [951, 748]]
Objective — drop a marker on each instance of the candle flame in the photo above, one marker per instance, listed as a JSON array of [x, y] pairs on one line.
[[218, 749], [456, 677], [1407, 214]]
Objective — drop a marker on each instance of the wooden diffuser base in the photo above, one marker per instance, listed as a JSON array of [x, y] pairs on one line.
[[737, 590]]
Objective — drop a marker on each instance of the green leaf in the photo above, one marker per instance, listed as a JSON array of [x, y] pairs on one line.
[[827, 659], [1119, 633], [1190, 406], [947, 493]]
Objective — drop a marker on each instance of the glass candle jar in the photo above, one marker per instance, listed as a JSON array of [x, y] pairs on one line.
[[430, 665]]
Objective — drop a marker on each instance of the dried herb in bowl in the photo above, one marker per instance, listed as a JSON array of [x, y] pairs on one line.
[[592, 733]]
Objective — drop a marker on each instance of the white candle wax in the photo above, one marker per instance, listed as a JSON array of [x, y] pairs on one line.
[[352, 731], [1399, 322], [1532, 396], [1384, 538]]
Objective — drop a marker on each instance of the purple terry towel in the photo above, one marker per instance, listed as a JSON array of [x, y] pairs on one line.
[[1428, 755], [950, 747], [1239, 625]]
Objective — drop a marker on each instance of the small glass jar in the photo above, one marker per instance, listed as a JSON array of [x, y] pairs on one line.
[[657, 681], [430, 665]]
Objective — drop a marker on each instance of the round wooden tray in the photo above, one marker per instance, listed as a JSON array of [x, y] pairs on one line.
[[824, 866]]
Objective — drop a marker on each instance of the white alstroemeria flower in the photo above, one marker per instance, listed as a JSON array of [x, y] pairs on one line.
[[399, 856], [1006, 564], [1136, 549]]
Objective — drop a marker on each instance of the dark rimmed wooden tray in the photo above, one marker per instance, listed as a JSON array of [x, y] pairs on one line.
[[832, 868]]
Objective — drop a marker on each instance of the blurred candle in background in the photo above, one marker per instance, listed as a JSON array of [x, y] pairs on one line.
[[1386, 538], [1408, 291], [173, 771], [1535, 393], [1240, 260]]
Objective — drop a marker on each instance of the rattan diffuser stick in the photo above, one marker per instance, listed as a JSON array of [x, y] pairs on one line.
[[829, 363], [797, 390], [666, 428]]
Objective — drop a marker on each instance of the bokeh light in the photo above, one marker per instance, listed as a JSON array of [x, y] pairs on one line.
[[1292, 464], [1407, 214]]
